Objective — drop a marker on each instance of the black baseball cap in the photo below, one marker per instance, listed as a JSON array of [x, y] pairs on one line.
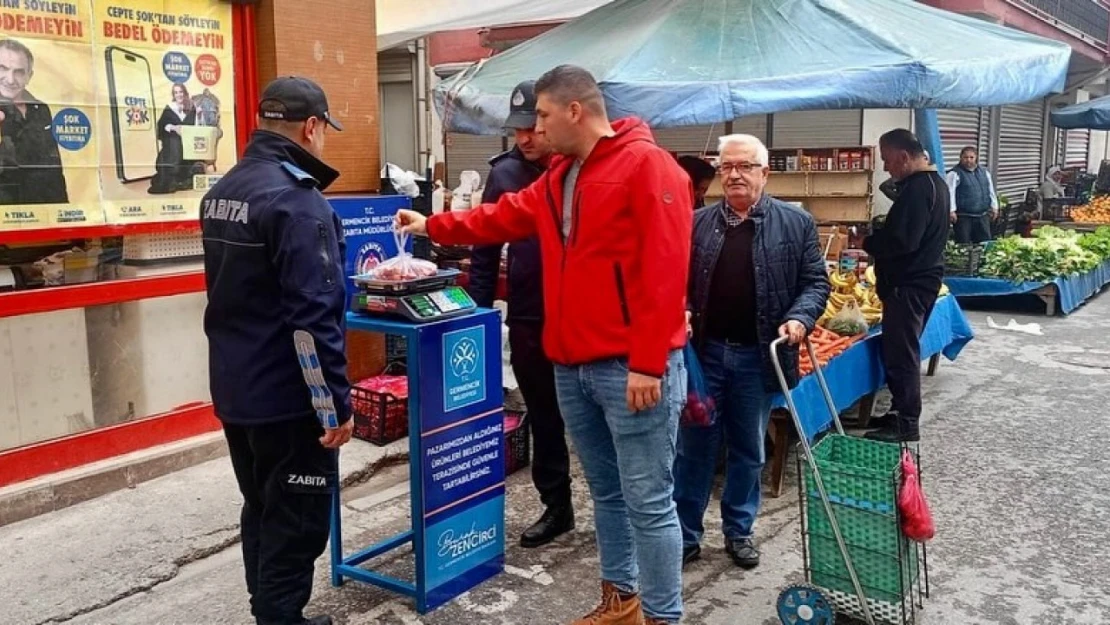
[[295, 99], [522, 106]]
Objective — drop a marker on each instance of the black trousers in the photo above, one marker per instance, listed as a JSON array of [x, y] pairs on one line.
[[906, 310], [972, 229], [536, 376], [286, 477]]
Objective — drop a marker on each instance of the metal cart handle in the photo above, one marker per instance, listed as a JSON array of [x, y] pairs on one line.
[[807, 451], [829, 403]]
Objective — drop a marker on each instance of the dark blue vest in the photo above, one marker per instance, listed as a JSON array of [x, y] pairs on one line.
[[973, 194]]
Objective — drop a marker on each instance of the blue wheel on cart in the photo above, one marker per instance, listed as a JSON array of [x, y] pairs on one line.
[[805, 605]]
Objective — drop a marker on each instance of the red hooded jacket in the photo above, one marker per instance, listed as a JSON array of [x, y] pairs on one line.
[[616, 286]]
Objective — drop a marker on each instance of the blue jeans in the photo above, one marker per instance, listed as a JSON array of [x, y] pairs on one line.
[[734, 377], [627, 458]]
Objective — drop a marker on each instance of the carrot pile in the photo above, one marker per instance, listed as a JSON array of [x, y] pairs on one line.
[[826, 344]]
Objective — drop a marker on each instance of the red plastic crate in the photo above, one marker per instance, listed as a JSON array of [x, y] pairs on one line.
[[380, 418]]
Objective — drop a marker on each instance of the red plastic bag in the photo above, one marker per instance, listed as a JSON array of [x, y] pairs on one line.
[[917, 520]]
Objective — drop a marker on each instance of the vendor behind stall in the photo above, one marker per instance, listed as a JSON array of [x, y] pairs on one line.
[[909, 260], [974, 202]]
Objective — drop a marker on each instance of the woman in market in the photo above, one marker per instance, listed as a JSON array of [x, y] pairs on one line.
[[174, 173]]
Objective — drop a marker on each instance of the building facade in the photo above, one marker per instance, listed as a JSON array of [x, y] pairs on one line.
[[1015, 141]]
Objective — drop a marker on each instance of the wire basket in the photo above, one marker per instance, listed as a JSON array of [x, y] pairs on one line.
[[861, 478], [518, 446], [396, 350], [962, 259], [1058, 209]]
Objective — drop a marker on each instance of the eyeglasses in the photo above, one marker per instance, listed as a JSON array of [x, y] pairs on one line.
[[744, 168]]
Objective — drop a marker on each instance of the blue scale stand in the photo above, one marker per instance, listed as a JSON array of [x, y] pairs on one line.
[[456, 461]]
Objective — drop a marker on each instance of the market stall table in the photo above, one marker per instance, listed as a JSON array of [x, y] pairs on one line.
[[1064, 293], [858, 373]]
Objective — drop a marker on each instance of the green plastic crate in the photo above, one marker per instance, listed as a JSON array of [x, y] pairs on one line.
[[861, 478]]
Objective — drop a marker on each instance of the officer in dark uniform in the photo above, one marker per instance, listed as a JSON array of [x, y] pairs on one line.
[[513, 171], [273, 259]]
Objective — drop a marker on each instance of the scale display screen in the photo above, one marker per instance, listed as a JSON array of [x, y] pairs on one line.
[[441, 304]]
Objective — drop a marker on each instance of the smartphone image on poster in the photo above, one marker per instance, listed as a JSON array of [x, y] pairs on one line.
[[131, 93]]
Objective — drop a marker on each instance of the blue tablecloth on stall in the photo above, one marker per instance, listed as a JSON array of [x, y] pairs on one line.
[[859, 370], [1071, 290]]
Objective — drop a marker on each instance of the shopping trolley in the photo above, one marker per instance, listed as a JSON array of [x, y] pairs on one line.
[[857, 561]]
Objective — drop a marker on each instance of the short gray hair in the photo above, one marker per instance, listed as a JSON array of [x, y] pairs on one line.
[[738, 139]]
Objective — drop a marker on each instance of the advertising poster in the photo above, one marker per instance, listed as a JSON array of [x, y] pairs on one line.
[[112, 111]]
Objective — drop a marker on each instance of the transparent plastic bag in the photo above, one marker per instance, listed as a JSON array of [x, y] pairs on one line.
[[849, 321], [403, 266], [700, 409]]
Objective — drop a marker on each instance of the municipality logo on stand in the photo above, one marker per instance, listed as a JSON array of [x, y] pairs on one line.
[[464, 358], [464, 368]]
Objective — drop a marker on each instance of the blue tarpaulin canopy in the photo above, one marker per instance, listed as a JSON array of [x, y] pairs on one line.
[[686, 62], [1094, 114]]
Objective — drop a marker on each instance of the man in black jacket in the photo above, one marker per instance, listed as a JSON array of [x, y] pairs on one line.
[[513, 171], [273, 261], [909, 264], [756, 274]]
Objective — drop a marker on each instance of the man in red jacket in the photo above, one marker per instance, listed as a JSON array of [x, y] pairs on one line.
[[613, 217]]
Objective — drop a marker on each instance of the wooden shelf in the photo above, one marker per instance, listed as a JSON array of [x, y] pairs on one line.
[[37, 235], [51, 298], [824, 196], [822, 172]]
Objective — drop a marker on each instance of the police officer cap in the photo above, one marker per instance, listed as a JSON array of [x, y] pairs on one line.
[[295, 99], [522, 106]]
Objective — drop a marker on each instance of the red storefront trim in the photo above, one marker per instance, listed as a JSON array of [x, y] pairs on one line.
[[25, 463]]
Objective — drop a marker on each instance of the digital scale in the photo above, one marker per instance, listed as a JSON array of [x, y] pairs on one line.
[[419, 301]]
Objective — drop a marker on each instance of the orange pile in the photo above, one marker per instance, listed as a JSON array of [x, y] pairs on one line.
[[1097, 211]]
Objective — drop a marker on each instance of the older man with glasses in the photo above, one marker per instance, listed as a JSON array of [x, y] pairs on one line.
[[757, 273]]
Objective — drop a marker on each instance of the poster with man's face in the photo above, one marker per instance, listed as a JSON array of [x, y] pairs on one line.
[[113, 110]]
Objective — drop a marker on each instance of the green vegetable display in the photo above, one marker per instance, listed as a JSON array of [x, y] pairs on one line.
[[1051, 252], [1097, 242]]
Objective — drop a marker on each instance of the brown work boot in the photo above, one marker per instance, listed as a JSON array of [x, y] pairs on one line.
[[614, 609]]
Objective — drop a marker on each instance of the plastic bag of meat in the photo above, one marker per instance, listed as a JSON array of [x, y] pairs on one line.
[[403, 266], [700, 409]]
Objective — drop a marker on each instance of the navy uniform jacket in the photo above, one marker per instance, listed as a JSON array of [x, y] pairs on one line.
[[273, 261], [511, 172]]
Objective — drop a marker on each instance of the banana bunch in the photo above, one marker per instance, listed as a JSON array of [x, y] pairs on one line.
[[847, 287]]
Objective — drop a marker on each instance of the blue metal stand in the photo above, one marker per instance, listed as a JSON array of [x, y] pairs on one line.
[[456, 461]]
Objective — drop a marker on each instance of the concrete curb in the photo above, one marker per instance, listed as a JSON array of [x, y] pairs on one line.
[[60, 490]]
